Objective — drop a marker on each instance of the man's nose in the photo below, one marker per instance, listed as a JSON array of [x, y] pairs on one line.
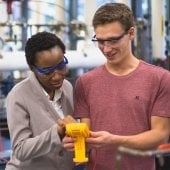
[[106, 47]]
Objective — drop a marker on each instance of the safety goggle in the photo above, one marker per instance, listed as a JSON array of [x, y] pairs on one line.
[[47, 70]]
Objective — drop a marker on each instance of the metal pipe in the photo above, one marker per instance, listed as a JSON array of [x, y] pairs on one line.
[[139, 153]]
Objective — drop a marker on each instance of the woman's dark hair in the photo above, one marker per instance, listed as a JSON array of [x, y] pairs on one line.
[[39, 42]]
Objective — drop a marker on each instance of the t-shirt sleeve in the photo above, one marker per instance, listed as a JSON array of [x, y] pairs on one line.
[[81, 108], [161, 106]]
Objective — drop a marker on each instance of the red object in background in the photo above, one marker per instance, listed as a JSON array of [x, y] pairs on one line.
[[9, 5], [1, 144], [164, 147]]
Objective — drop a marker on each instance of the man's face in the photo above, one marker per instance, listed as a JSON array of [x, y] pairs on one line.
[[50, 68], [113, 41]]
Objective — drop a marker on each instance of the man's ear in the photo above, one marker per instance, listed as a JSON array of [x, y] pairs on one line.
[[132, 33]]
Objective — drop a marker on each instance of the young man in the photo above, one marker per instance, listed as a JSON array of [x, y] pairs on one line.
[[36, 104], [126, 101]]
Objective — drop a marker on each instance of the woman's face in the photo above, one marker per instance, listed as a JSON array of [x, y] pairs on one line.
[[50, 68]]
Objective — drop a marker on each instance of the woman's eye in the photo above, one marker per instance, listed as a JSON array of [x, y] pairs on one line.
[[48, 73]]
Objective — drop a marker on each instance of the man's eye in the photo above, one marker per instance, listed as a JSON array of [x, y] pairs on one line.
[[113, 41], [100, 42]]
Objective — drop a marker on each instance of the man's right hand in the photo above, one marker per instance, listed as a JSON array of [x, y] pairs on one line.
[[68, 143]]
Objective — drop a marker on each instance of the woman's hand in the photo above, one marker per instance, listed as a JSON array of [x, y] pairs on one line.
[[62, 123]]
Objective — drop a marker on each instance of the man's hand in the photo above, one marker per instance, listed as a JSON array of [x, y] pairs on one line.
[[68, 143], [99, 139]]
